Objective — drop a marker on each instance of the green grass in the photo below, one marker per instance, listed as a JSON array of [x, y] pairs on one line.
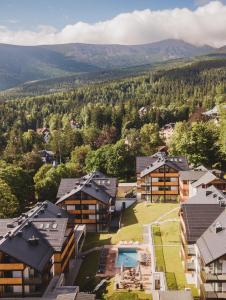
[[87, 279], [133, 220], [168, 257]]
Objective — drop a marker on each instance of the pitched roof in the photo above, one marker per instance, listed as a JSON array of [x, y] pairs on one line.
[[210, 195], [144, 161], [177, 163], [95, 184], [212, 244], [191, 175], [198, 217], [207, 178], [33, 237]]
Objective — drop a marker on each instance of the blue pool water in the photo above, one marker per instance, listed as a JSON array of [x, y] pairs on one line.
[[127, 257]]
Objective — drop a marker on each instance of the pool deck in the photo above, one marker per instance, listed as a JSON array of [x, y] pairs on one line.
[[131, 277]]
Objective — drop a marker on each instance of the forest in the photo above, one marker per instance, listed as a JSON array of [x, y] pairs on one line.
[[99, 126]]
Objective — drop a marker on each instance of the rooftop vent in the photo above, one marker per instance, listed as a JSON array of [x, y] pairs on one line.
[[214, 195], [36, 216], [59, 215], [218, 227], [42, 210], [19, 233], [10, 225], [97, 190], [33, 241]]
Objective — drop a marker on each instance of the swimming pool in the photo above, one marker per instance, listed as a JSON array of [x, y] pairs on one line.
[[127, 257]]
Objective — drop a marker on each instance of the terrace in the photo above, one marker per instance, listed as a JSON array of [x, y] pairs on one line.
[[101, 264]]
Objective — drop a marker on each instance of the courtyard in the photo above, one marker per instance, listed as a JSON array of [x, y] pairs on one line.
[[131, 234]]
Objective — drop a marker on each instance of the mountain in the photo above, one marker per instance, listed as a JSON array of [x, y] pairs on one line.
[[20, 64], [113, 56]]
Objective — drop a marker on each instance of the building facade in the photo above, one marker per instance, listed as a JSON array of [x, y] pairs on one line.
[[158, 177], [198, 220], [33, 249], [89, 200]]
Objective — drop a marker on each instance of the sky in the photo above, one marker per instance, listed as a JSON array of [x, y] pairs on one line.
[[35, 22]]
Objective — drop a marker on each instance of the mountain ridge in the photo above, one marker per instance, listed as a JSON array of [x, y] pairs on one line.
[[21, 64]]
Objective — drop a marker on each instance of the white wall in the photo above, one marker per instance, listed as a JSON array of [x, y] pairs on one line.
[[128, 202]]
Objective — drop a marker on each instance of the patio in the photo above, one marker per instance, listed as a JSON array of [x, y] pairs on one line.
[[139, 278]]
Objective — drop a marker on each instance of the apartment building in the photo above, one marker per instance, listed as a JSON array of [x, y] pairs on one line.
[[211, 256], [186, 178], [89, 200], [34, 248], [158, 177], [193, 180], [196, 217]]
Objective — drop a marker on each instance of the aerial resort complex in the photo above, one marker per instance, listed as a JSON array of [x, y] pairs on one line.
[[164, 240], [112, 150]]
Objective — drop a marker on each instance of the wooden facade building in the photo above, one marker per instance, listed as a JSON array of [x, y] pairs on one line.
[[89, 200]]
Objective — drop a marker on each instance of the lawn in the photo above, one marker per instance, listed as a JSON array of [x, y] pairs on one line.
[[133, 220], [168, 256]]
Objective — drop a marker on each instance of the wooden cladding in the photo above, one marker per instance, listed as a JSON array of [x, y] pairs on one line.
[[78, 212], [11, 267], [160, 192], [164, 175], [10, 281], [70, 242], [168, 183], [84, 221], [80, 202]]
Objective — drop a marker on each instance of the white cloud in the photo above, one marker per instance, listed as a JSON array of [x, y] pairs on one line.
[[205, 25]]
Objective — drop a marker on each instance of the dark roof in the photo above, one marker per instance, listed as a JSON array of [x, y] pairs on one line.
[[33, 237], [96, 184], [191, 175], [212, 244], [198, 217], [20, 247], [144, 161], [148, 164], [176, 163]]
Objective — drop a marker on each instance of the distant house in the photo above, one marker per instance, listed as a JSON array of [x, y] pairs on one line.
[[44, 132], [158, 177], [142, 111], [167, 131], [89, 200], [75, 125], [47, 157], [34, 248], [213, 114]]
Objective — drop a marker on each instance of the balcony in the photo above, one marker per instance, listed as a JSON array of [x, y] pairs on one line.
[[190, 265], [209, 277], [191, 250], [210, 293], [33, 281]]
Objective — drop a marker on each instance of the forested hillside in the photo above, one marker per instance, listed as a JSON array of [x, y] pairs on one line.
[[99, 126]]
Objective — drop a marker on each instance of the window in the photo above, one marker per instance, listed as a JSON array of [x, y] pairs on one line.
[[218, 266], [92, 217], [70, 207]]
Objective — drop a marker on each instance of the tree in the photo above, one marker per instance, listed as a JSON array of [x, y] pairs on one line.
[[198, 142], [20, 183], [31, 162], [48, 178], [9, 205], [150, 139], [78, 157]]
